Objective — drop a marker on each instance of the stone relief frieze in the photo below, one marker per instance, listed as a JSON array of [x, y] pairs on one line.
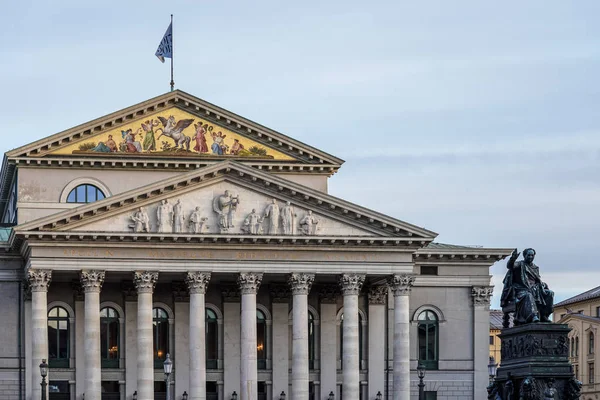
[[530, 345]]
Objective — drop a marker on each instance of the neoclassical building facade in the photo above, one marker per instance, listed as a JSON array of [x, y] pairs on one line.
[[177, 227]]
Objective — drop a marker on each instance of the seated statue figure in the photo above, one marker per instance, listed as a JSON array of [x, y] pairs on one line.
[[523, 287]]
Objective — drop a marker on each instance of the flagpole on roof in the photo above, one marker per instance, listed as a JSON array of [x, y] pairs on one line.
[[172, 81]]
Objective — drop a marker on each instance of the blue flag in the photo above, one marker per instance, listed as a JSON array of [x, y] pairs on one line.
[[165, 48]]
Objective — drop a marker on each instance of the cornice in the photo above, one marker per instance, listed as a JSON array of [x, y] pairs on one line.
[[188, 103], [242, 175], [482, 255]]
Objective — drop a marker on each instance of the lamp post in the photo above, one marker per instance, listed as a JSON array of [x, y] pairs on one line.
[[168, 366], [184, 396], [492, 367], [282, 395], [331, 396], [378, 396], [134, 397], [421, 374], [44, 373], [234, 395]]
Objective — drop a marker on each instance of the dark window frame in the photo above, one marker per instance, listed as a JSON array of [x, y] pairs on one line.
[[430, 320], [157, 338], [110, 362], [95, 194], [429, 270], [212, 343], [59, 362], [261, 325]]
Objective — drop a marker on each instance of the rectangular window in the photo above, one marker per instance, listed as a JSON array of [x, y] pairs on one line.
[[591, 372], [429, 270], [598, 312], [577, 372], [59, 390], [430, 395], [491, 339], [211, 391]]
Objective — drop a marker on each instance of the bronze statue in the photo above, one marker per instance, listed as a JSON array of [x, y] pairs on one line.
[[533, 301], [550, 393]]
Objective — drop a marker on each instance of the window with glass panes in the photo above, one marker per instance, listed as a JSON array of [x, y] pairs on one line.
[[109, 338], [58, 338], [85, 194], [261, 339], [160, 327], [428, 332], [211, 339]]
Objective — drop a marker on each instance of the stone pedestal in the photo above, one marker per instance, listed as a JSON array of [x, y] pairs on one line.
[[535, 361]]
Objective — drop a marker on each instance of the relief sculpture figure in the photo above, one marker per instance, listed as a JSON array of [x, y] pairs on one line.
[[253, 224], [197, 221], [141, 221], [272, 213], [308, 224], [225, 206], [533, 301], [288, 217], [178, 217], [550, 393], [164, 216]]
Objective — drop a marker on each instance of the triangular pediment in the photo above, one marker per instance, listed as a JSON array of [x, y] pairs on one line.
[[315, 214], [198, 130]]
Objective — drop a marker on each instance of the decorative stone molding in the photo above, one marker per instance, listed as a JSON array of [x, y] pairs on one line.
[[145, 281], [231, 293], [78, 294], [280, 293], [378, 294], [401, 284], [180, 291], [328, 294], [91, 280], [39, 279], [351, 283], [249, 282], [197, 281], [300, 283], [128, 290], [482, 295]]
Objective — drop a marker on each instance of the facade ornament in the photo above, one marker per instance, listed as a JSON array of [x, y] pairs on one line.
[[145, 281], [231, 293], [351, 283], [197, 222], [249, 282], [91, 280], [309, 224], [39, 279], [401, 284], [164, 216], [141, 221], [128, 290], [378, 294], [197, 281], [288, 219], [178, 217], [26, 290], [253, 224], [180, 291], [78, 293], [482, 295], [225, 206], [300, 283], [328, 294], [272, 213], [280, 293]]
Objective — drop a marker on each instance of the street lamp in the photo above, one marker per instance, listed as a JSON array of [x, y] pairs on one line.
[[282, 395], [378, 396], [168, 366], [492, 367], [184, 396], [421, 374], [331, 396], [234, 395], [44, 373], [134, 397]]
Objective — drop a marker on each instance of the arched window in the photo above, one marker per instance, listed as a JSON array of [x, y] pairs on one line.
[[591, 343], [160, 322], [109, 338], [360, 338], [58, 338], [577, 346], [85, 194], [211, 339], [572, 347], [428, 331], [311, 341], [261, 339]]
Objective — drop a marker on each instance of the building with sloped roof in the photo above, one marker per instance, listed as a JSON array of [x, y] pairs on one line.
[[175, 227]]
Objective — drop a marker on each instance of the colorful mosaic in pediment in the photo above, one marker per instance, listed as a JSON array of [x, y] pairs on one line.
[[172, 132]]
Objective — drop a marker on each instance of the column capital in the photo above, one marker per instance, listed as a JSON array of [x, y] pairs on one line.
[[482, 295], [401, 284], [351, 283], [145, 281], [197, 281], [300, 283], [249, 282], [328, 293], [39, 279], [91, 280], [378, 294]]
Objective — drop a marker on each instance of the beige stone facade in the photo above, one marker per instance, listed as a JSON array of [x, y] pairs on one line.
[[240, 265]]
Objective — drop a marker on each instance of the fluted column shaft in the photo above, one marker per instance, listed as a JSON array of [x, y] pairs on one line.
[[401, 285], [91, 282], [144, 282], [300, 285], [248, 283], [350, 285], [197, 283], [39, 280]]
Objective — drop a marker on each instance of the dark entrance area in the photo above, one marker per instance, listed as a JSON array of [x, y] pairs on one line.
[[59, 390], [110, 390]]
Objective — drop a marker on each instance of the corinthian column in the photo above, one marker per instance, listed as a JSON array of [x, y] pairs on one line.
[[249, 283], [39, 280], [144, 283], [351, 285], [91, 282], [300, 285], [400, 285], [481, 330], [197, 283]]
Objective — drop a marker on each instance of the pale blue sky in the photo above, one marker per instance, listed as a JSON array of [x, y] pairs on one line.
[[476, 120]]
